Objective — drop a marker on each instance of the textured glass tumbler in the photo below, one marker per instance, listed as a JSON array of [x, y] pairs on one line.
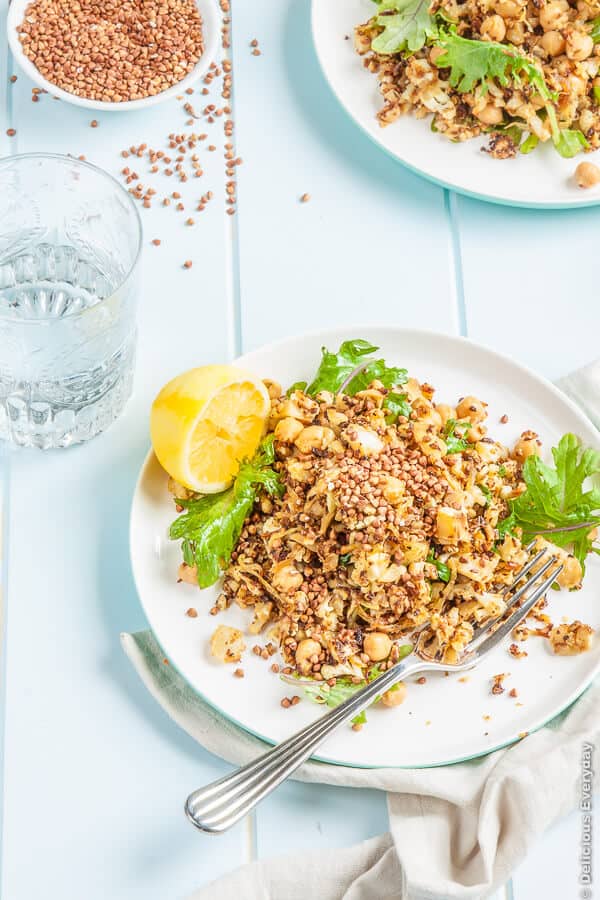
[[70, 239]]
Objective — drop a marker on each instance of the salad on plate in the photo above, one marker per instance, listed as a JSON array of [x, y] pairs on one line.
[[347, 512]]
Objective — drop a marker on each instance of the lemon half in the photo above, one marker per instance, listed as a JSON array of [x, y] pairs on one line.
[[205, 421]]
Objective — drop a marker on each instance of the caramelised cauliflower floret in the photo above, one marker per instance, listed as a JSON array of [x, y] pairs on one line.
[[572, 638], [262, 614], [451, 525], [363, 440], [188, 574], [227, 644]]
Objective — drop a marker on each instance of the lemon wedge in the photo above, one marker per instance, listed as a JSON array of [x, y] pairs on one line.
[[205, 422]]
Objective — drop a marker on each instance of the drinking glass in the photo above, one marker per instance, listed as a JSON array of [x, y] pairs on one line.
[[70, 239]]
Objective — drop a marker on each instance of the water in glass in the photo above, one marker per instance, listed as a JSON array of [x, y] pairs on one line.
[[69, 242]]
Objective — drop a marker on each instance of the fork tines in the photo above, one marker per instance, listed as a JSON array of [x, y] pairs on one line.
[[491, 633]]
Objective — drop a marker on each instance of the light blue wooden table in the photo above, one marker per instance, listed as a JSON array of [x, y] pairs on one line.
[[94, 774]]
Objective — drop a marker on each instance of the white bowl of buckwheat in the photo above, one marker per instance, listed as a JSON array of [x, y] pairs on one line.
[[114, 54]]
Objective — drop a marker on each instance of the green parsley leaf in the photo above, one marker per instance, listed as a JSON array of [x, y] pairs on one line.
[[442, 569], [350, 370], [296, 386], [210, 526], [407, 26], [596, 91], [455, 443], [502, 471], [529, 144], [335, 368], [570, 142], [389, 376], [344, 687], [345, 559], [396, 405], [595, 32], [475, 62], [556, 503]]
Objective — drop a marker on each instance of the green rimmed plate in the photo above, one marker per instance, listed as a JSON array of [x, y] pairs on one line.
[[541, 180]]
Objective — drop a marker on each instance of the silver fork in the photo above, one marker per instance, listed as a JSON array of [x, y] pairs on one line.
[[219, 805]]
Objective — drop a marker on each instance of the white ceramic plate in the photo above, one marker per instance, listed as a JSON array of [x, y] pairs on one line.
[[541, 179], [443, 720], [211, 24]]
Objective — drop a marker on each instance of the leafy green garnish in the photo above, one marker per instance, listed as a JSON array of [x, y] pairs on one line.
[[595, 32], [296, 386], [502, 471], [344, 687], [570, 142], [474, 63], [335, 368], [555, 502], [350, 369], [477, 62], [529, 144], [396, 405], [345, 559], [210, 526], [455, 443], [443, 570], [389, 376], [407, 26], [596, 90]]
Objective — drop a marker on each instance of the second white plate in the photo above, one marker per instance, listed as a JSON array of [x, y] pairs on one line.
[[543, 179], [446, 719]]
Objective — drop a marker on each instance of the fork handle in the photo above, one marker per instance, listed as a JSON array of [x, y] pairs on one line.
[[219, 805]]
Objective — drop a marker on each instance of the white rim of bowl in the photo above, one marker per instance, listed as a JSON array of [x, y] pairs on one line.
[[210, 29]]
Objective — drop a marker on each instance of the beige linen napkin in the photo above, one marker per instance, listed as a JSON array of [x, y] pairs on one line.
[[456, 832]]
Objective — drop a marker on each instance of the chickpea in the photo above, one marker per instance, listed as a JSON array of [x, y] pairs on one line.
[[288, 429], [579, 45], [273, 388], [435, 53], [472, 409], [553, 43], [508, 9], [554, 16], [490, 115], [305, 651], [516, 33], [587, 175], [572, 573], [527, 445], [286, 577], [395, 696], [314, 437], [393, 490], [493, 28], [446, 412], [377, 646]]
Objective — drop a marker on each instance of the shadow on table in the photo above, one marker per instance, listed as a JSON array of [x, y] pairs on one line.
[[332, 124], [120, 605]]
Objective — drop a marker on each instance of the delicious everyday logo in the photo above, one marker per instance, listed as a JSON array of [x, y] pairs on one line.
[[586, 807]]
